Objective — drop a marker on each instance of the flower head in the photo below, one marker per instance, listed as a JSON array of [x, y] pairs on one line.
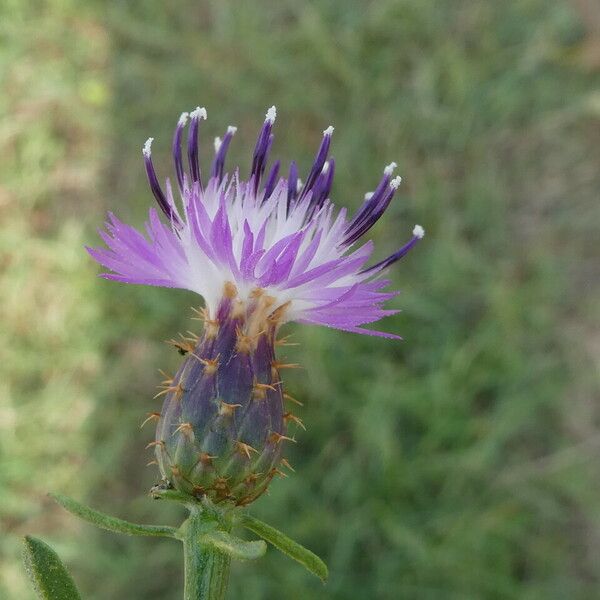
[[261, 252], [267, 232]]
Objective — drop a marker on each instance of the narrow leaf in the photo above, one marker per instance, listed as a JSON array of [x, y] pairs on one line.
[[112, 523], [235, 547], [288, 546], [48, 575]]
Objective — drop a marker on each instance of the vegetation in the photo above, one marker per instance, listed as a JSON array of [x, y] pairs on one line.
[[461, 463]]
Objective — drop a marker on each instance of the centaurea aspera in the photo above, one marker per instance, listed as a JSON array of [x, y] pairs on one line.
[[261, 251]]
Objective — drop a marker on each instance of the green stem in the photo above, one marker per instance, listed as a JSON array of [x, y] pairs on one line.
[[206, 567]]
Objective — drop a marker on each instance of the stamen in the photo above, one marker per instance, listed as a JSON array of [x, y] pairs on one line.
[[320, 159], [155, 185], [199, 113], [390, 168], [147, 149], [195, 115], [271, 115], [418, 232], [221, 148], [272, 179], [177, 149], [395, 183]]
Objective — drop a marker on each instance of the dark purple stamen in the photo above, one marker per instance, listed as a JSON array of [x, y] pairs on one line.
[[177, 150], [320, 159], [272, 179], [192, 148], [155, 185], [218, 165], [372, 209], [390, 260], [261, 150], [321, 188], [292, 185]]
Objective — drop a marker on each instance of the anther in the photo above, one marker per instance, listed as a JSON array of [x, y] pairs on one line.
[[395, 183], [390, 168], [418, 232], [271, 115], [147, 149], [199, 113]]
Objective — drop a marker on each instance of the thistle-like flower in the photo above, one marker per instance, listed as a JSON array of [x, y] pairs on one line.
[[261, 252]]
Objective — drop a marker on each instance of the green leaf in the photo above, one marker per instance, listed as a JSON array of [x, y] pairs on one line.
[[235, 547], [112, 523], [288, 546], [48, 575]]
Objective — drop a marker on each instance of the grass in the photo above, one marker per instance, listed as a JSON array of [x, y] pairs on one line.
[[458, 464]]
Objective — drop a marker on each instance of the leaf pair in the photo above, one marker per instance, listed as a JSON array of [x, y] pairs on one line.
[[52, 581]]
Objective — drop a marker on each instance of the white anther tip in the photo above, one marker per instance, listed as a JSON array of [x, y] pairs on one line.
[[329, 130], [325, 167], [146, 150], [368, 195], [418, 231], [395, 183], [183, 118], [232, 129], [218, 143], [199, 113], [299, 184], [271, 115], [390, 168]]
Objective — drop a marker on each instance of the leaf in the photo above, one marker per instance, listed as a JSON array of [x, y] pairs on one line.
[[288, 546], [48, 575], [112, 523], [235, 547]]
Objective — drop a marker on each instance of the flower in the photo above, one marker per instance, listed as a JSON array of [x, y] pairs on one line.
[[279, 236], [261, 252]]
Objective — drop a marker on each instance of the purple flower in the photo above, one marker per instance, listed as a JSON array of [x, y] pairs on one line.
[[261, 252], [271, 233]]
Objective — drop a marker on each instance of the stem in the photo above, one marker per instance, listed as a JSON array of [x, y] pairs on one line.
[[206, 568]]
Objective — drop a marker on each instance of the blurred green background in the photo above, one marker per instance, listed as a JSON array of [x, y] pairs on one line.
[[461, 463]]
